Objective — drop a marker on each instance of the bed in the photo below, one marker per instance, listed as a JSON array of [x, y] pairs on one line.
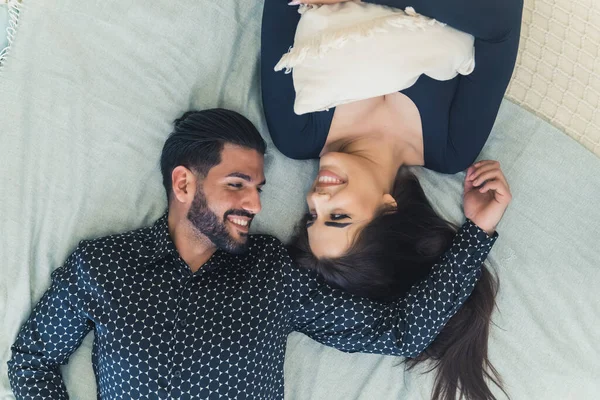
[[3, 26], [88, 93]]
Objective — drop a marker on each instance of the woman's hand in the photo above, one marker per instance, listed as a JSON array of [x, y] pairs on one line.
[[486, 195], [298, 2]]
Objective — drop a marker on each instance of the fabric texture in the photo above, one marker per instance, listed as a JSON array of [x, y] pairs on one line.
[[336, 47], [220, 332], [3, 25], [9, 19], [88, 94]]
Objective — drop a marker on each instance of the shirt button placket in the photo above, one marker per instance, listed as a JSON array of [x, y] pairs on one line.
[[183, 305], [180, 335]]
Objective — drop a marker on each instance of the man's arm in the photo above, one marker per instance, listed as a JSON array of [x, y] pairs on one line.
[[405, 327], [52, 333]]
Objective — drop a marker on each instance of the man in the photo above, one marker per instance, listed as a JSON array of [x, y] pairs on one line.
[[194, 307]]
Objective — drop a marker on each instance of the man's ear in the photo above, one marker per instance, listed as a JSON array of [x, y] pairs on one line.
[[184, 184]]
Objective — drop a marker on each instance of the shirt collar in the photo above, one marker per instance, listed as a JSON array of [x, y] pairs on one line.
[[160, 238], [163, 246]]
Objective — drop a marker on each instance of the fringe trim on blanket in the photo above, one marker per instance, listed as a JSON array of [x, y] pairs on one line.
[[14, 10], [319, 45]]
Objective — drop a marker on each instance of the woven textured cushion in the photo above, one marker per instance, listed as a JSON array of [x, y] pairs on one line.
[[354, 51], [557, 75]]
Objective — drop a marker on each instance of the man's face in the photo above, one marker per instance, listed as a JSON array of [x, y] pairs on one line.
[[228, 198]]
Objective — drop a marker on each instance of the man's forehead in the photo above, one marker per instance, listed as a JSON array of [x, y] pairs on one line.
[[241, 162]]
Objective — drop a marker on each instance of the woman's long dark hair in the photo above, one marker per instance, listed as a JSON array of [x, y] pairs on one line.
[[392, 253]]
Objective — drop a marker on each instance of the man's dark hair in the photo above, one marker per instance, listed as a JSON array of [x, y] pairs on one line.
[[198, 139]]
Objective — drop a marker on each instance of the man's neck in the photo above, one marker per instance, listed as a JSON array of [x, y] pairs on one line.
[[193, 248]]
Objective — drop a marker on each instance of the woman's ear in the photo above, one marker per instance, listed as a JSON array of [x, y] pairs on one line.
[[184, 184], [389, 201]]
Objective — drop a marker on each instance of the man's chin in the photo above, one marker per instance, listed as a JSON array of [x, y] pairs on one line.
[[237, 248], [238, 244]]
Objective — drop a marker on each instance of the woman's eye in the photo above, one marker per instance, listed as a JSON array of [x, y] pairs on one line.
[[310, 218], [337, 217]]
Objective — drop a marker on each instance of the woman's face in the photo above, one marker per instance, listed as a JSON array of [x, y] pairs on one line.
[[344, 198]]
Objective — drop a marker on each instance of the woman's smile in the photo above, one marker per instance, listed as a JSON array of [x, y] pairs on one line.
[[326, 178]]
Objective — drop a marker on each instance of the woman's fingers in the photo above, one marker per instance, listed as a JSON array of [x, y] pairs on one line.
[[485, 171], [483, 166], [479, 170], [482, 163], [468, 182], [488, 175], [501, 190]]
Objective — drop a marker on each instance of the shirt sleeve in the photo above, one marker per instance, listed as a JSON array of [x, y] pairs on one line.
[[296, 136], [405, 327], [54, 330], [496, 26]]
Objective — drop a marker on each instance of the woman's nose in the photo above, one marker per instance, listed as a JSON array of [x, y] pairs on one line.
[[317, 199], [320, 194]]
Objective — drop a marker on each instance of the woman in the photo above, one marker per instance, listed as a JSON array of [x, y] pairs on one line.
[[439, 125], [396, 253], [370, 229], [443, 125]]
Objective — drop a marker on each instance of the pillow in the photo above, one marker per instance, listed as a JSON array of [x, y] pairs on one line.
[[354, 51]]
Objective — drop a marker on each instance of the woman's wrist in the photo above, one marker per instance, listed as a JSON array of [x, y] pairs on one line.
[[489, 230]]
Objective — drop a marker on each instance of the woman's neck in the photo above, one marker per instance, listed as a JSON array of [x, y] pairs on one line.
[[373, 130], [380, 153], [385, 130]]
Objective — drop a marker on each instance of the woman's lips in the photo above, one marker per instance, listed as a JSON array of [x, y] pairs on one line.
[[327, 178]]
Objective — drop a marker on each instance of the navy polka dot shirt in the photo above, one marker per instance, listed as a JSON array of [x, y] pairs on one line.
[[163, 332]]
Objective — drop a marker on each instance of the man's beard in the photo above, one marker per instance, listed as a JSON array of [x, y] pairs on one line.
[[208, 224]]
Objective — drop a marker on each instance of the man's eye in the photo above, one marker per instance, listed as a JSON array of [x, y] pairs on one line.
[[260, 190], [337, 217], [310, 219], [235, 185]]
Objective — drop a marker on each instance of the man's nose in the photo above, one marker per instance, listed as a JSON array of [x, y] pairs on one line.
[[252, 202]]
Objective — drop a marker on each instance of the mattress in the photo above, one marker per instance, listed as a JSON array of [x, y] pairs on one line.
[[88, 93]]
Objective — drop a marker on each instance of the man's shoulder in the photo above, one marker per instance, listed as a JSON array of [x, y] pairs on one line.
[[263, 241], [269, 252], [267, 245], [116, 246]]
